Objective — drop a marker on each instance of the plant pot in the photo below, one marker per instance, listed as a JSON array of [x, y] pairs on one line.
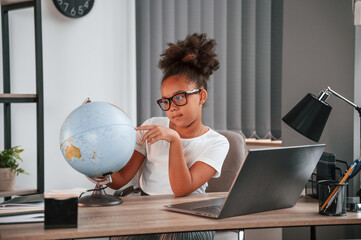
[[7, 179]]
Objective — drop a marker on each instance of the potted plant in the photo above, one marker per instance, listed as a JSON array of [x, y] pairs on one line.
[[9, 167]]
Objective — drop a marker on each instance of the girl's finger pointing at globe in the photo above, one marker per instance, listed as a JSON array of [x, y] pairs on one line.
[[144, 127]]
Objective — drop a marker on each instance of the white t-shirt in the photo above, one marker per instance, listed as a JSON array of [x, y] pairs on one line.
[[210, 148]]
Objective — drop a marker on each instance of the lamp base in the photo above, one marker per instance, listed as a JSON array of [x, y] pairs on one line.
[[99, 198]]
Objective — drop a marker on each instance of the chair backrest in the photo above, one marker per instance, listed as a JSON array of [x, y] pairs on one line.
[[232, 163]]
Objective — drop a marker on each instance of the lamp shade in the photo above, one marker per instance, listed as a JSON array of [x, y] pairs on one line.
[[309, 117]]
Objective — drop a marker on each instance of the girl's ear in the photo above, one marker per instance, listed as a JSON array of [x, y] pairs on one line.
[[204, 96]]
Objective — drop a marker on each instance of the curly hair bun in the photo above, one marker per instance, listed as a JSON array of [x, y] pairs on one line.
[[194, 57]]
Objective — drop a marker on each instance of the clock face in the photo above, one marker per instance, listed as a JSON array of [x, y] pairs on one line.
[[74, 8]]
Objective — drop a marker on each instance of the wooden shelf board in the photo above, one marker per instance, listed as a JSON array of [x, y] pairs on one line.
[[17, 98], [18, 191], [9, 2]]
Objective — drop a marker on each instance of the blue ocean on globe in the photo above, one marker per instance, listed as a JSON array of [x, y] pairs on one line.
[[97, 138]]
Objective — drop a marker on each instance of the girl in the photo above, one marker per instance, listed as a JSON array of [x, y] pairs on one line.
[[179, 154]]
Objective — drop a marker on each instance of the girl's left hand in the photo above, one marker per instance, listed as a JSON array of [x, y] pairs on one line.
[[156, 133]]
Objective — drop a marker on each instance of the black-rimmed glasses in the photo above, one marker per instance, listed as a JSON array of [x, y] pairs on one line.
[[179, 99]]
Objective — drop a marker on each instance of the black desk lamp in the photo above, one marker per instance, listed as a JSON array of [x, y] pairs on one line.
[[310, 115], [309, 118]]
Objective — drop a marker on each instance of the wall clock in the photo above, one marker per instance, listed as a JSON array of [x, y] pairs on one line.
[[74, 8]]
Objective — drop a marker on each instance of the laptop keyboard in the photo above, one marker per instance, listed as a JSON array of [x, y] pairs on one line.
[[209, 209]]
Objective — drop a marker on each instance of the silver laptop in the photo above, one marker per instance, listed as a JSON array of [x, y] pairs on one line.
[[269, 179]]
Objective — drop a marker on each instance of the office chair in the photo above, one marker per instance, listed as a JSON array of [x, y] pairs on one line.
[[232, 163]]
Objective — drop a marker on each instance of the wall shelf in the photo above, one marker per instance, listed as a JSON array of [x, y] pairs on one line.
[[17, 98], [7, 98], [18, 191]]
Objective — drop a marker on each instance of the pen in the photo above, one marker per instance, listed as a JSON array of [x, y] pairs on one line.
[[326, 203], [331, 200], [356, 169]]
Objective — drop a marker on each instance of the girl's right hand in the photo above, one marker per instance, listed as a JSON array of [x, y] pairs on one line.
[[104, 180]]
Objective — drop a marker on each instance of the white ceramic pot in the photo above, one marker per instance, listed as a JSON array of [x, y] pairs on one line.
[[7, 179]]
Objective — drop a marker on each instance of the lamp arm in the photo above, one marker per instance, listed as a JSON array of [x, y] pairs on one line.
[[357, 108]]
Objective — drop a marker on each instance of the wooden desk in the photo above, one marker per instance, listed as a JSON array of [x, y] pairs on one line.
[[141, 215]]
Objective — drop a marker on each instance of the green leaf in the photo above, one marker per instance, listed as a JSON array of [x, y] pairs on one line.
[[9, 158]]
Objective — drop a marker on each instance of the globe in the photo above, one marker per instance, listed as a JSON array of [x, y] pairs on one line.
[[97, 139]]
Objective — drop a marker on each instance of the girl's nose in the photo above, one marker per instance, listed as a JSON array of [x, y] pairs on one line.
[[173, 107]]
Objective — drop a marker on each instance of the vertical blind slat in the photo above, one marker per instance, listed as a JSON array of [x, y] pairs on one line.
[[234, 53], [248, 67], [168, 22], [143, 61], [194, 16], [156, 32], [220, 76], [207, 26], [181, 19], [276, 67], [263, 68]]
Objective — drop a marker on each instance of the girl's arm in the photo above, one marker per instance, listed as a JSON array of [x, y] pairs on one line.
[[183, 181], [124, 175]]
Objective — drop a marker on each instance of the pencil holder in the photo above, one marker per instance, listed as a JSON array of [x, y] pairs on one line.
[[332, 198]]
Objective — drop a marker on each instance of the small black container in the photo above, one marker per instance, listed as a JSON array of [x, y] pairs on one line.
[[61, 212]]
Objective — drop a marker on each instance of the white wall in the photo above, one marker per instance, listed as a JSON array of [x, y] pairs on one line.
[[93, 56], [319, 51]]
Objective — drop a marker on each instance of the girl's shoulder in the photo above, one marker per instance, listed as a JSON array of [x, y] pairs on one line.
[[217, 136]]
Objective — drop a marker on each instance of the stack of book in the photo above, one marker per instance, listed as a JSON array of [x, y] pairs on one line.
[[24, 209]]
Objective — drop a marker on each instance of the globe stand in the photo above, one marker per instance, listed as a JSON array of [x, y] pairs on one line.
[[99, 197]]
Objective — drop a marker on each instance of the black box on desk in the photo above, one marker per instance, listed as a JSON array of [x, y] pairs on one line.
[[326, 167], [61, 211]]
